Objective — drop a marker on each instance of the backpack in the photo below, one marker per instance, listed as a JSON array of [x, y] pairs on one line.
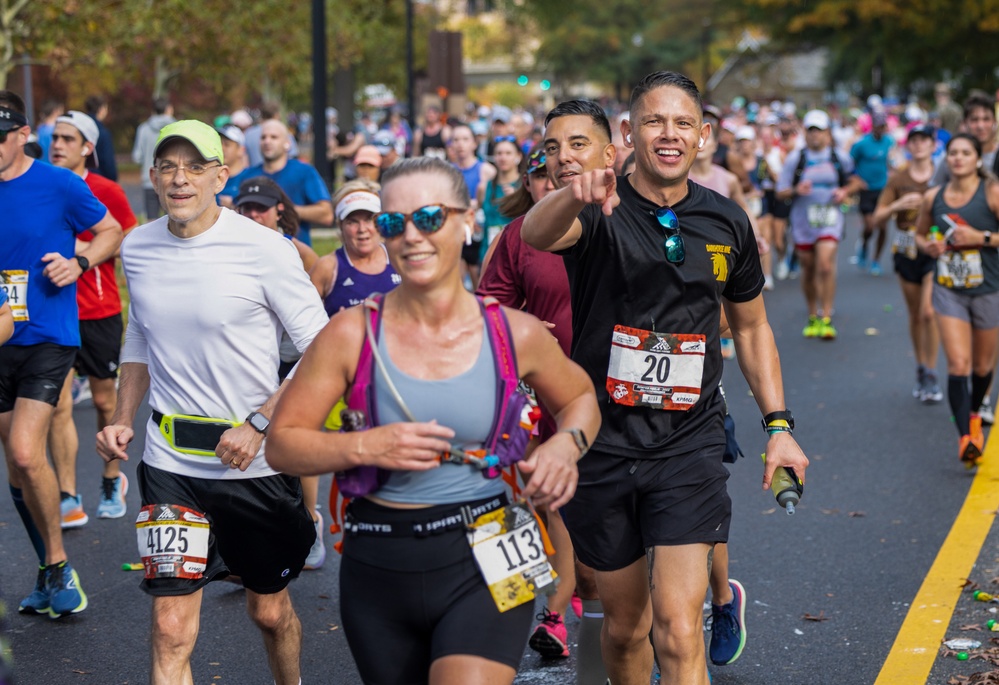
[[513, 420], [800, 169]]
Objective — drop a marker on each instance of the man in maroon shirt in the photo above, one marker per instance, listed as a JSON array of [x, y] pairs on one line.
[[577, 140], [73, 143]]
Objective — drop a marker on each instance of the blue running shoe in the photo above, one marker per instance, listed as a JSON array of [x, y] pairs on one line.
[[38, 601], [65, 594], [73, 515], [112, 504], [728, 627]]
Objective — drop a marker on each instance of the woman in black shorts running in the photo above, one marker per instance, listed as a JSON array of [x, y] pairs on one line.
[[965, 214], [414, 603]]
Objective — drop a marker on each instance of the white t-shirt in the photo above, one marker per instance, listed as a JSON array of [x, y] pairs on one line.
[[206, 317]]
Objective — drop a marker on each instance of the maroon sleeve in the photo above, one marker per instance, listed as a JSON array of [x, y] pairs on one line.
[[502, 278]]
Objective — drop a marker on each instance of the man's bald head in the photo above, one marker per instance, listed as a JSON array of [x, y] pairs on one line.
[[274, 141]]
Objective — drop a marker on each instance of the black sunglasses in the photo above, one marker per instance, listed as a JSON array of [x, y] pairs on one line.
[[427, 219], [5, 134], [676, 253]]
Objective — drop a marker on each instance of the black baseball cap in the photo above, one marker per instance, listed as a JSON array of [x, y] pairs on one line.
[[257, 193], [921, 130]]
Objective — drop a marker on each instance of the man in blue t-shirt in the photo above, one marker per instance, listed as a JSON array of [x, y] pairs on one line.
[[870, 159], [45, 208], [303, 184]]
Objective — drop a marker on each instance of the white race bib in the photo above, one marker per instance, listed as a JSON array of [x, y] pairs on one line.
[[173, 541], [905, 244], [510, 551], [15, 284], [823, 216], [656, 370], [960, 269]]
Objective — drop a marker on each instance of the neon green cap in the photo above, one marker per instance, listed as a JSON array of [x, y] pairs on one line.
[[199, 134]]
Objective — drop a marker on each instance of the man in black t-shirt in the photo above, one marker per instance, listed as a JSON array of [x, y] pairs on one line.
[[651, 260]]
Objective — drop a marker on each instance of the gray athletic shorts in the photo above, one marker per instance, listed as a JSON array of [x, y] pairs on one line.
[[982, 311]]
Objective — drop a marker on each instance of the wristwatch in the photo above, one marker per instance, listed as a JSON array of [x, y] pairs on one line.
[[83, 262], [988, 237], [580, 438], [259, 422], [778, 416]]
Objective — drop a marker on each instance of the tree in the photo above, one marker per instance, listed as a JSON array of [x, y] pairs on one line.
[[910, 40], [11, 26]]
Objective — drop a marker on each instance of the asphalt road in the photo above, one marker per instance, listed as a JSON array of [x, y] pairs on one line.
[[882, 494]]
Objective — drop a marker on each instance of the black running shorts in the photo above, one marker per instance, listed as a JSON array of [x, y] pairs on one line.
[[868, 201], [624, 506], [260, 528], [34, 372], [408, 601], [100, 347], [914, 270]]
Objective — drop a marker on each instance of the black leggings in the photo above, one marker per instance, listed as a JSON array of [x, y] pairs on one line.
[[407, 601]]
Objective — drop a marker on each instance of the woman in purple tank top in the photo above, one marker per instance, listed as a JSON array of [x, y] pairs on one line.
[[360, 266]]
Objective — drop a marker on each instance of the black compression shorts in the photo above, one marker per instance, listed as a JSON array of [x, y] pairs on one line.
[[914, 270], [34, 372], [868, 201], [100, 347], [624, 506], [260, 528], [408, 601]]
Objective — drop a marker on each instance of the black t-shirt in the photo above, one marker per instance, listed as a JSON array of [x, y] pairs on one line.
[[618, 275]]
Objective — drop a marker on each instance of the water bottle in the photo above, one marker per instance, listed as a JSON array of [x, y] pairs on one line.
[[786, 487]]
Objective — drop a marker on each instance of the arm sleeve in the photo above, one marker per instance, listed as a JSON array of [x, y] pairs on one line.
[[502, 276], [746, 279], [135, 348], [291, 295], [315, 188], [83, 209]]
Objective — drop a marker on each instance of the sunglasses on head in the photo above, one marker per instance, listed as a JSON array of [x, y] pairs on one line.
[[428, 219], [675, 251], [505, 139]]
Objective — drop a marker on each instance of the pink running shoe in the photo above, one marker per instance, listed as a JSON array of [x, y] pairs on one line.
[[550, 639]]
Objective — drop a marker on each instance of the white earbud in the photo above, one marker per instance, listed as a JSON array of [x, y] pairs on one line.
[[468, 234], [627, 138], [700, 145]]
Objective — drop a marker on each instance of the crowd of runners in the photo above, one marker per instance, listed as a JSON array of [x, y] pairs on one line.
[[510, 295]]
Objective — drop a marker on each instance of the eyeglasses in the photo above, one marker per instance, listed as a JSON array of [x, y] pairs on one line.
[[5, 134], [169, 170], [427, 219], [253, 207], [676, 253]]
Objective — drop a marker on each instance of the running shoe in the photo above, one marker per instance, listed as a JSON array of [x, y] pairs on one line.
[[73, 515], [968, 452], [577, 604], [768, 283], [826, 329], [550, 638], [38, 601], [65, 594], [781, 270], [727, 348], [860, 258], [932, 394], [814, 327], [728, 627], [977, 436], [112, 504], [317, 555], [81, 390], [986, 411], [920, 386], [876, 269]]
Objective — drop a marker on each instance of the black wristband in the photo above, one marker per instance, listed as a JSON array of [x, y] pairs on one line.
[[779, 416]]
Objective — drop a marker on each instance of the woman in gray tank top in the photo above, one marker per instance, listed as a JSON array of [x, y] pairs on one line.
[[956, 226], [410, 585]]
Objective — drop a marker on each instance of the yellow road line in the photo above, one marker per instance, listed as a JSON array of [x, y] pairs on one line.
[[918, 641]]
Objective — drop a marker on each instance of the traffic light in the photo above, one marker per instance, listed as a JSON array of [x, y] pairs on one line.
[[522, 80], [546, 84]]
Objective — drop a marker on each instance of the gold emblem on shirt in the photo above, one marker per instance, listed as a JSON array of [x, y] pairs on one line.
[[719, 262]]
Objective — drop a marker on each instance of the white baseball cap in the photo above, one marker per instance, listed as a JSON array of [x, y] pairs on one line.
[[85, 125], [745, 133], [815, 118], [357, 201]]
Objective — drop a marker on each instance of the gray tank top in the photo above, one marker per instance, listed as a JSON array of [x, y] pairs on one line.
[[466, 403], [977, 214]]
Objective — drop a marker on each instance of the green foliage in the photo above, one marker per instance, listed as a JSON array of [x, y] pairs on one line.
[[914, 40]]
